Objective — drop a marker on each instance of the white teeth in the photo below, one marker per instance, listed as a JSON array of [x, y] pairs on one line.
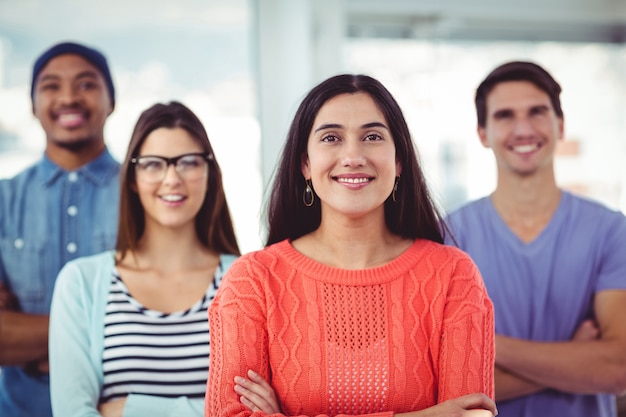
[[172, 197], [525, 148], [71, 117], [353, 180]]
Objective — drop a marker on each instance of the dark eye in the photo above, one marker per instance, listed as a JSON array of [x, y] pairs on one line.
[[150, 164], [87, 85], [539, 111], [190, 162], [49, 86], [373, 137], [503, 115], [330, 138]]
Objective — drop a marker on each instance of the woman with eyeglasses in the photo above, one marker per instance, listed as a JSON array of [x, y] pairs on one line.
[[129, 333]]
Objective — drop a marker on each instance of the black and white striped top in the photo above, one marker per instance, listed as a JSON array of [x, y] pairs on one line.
[[154, 353]]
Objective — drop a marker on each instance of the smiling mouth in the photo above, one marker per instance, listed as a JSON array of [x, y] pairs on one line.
[[172, 198], [70, 120], [360, 180], [530, 147]]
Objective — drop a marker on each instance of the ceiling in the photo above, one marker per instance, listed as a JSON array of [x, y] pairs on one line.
[[514, 20]]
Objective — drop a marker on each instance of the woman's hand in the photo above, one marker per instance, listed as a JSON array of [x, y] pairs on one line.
[[470, 405], [113, 408], [256, 394]]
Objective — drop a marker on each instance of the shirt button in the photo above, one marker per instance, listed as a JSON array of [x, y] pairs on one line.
[[71, 247], [73, 176], [72, 210], [18, 243]]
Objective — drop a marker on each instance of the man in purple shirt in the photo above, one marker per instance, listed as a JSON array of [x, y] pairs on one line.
[[554, 264], [63, 207]]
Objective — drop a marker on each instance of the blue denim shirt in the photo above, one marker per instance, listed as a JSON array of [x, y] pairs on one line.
[[49, 216]]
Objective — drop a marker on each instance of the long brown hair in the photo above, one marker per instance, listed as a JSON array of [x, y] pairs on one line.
[[214, 226]]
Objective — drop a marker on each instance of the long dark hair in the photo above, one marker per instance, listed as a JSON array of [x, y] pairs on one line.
[[213, 222], [415, 214]]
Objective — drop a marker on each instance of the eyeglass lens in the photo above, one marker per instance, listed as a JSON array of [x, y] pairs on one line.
[[154, 168]]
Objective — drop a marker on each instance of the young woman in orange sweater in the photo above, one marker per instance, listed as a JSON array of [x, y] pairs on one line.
[[354, 307]]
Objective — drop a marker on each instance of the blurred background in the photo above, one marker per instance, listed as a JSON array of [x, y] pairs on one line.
[[244, 65]]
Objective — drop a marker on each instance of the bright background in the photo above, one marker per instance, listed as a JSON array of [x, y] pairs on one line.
[[216, 55]]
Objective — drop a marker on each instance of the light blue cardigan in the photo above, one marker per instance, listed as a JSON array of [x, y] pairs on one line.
[[76, 344]]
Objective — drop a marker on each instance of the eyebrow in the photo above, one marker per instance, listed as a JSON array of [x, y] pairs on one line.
[[338, 126], [502, 112], [533, 109], [84, 74], [540, 107]]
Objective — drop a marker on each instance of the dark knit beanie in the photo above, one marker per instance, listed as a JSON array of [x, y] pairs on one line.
[[93, 56]]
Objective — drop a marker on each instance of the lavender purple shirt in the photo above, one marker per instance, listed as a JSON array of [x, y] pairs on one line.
[[544, 289]]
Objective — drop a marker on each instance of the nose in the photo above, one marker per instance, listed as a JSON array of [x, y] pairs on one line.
[[68, 94], [171, 175], [523, 127], [352, 154]]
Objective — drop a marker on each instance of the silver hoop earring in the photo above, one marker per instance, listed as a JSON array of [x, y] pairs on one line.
[[309, 196]]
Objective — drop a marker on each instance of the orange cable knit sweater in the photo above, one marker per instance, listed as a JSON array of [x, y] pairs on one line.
[[396, 338]]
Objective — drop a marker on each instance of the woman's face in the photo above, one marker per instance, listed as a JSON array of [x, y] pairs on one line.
[[171, 196], [351, 156]]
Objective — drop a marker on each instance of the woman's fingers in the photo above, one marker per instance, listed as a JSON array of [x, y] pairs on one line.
[[256, 393], [477, 401]]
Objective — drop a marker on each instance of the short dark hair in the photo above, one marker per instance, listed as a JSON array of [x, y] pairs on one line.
[[213, 222], [414, 215], [517, 71]]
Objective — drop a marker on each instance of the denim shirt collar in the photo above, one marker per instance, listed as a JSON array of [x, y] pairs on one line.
[[99, 171]]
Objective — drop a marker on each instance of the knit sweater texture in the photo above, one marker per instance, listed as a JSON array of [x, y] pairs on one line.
[[400, 337]]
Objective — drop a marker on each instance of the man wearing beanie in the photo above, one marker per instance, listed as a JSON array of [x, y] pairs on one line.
[[63, 207]]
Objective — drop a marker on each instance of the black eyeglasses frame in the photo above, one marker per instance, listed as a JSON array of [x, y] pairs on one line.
[[173, 160]]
